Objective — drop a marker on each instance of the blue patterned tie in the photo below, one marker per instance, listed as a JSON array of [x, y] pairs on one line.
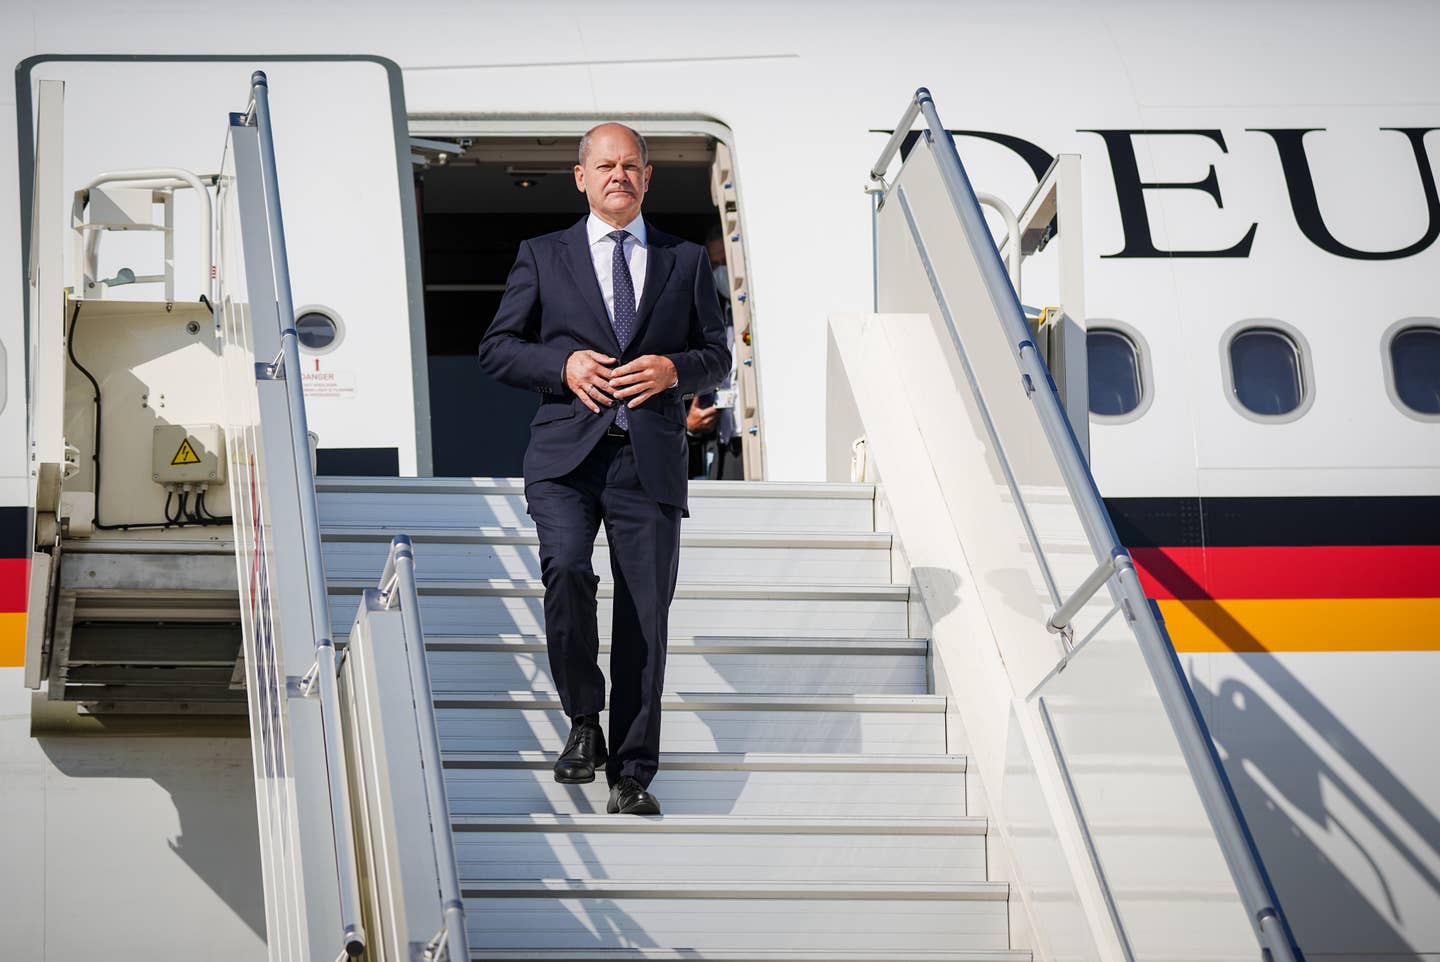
[[623, 287]]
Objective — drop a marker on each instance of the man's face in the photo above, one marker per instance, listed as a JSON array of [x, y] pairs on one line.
[[612, 177]]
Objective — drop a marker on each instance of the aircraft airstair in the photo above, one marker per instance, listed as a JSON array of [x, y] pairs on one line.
[[929, 716], [812, 810]]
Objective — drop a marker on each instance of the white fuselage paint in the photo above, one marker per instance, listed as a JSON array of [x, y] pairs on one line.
[[1329, 751]]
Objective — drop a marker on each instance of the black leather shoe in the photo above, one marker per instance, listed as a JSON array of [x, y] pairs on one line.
[[628, 797], [584, 752]]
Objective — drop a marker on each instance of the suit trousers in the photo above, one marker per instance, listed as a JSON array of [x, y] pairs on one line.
[[644, 542]]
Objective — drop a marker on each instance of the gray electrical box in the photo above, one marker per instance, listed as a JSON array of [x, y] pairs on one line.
[[188, 454]]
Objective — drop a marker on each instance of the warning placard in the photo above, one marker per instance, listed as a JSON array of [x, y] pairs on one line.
[[329, 384], [185, 454]]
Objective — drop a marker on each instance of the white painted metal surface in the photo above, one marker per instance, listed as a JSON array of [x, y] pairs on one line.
[[812, 808], [515, 608], [297, 845], [714, 505], [716, 557], [1334, 758]]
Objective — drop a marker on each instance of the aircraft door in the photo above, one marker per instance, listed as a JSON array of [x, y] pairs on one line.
[[746, 381], [349, 216]]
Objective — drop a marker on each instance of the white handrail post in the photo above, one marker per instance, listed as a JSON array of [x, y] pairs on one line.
[[397, 581], [1233, 836], [338, 780]]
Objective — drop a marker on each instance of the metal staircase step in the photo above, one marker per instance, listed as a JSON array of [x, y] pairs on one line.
[[748, 784], [720, 848], [701, 645], [709, 722], [706, 557], [744, 916], [651, 954], [812, 812], [412, 503], [506, 607], [763, 665]]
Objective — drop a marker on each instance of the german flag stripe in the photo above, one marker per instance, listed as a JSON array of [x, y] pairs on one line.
[[1290, 522], [12, 639], [14, 582], [1359, 571], [1289, 574], [14, 531], [1308, 624]]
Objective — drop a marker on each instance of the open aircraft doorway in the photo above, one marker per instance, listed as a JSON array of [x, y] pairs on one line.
[[484, 187]]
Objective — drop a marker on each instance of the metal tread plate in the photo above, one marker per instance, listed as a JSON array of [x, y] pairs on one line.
[[705, 645], [730, 761], [874, 540], [721, 825], [719, 701], [562, 888], [698, 489], [533, 588], [656, 954]]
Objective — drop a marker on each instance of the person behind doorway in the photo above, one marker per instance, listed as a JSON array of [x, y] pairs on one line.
[[615, 323], [710, 422]]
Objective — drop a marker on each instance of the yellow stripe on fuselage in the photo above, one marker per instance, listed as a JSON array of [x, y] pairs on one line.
[[1304, 624], [12, 639]]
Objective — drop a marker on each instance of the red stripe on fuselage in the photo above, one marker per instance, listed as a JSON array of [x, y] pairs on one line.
[[14, 583], [1360, 571]]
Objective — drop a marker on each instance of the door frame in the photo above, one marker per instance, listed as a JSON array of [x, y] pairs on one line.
[[451, 125]]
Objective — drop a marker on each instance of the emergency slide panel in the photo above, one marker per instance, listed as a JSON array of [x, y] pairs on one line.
[[1125, 764]]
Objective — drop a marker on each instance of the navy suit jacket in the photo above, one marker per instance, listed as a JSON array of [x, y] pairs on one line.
[[552, 307]]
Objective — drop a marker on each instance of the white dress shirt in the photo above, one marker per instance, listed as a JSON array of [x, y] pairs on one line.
[[602, 255]]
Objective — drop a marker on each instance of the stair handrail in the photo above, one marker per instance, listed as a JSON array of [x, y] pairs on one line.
[[397, 588], [1117, 569], [321, 678]]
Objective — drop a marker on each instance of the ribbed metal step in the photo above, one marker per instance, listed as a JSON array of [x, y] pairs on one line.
[[720, 848], [715, 783], [412, 503], [706, 557], [743, 916], [642, 954], [503, 607], [753, 665], [531, 721], [811, 810]]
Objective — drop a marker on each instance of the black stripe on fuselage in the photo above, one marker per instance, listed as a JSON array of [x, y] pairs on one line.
[[14, 531], [1243, 522]]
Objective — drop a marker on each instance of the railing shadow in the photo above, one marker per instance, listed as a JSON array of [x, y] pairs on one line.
[[217, 836], [1274, 771]]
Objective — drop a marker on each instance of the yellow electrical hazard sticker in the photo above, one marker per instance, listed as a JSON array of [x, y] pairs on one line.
[[186, 454]]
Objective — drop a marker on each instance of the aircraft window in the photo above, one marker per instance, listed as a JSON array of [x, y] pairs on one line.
[[318, 329], [1116, 386], [1267, 372], [1415, 367]]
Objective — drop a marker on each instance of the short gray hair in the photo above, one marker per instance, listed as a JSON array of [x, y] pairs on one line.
[[639, 142]]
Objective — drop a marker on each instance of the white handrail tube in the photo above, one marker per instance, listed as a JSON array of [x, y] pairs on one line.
[[165, 178], [1012, 232], [1221, 807], [345, 861], [397, 584]]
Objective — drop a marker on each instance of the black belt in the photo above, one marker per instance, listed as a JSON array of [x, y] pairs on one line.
[[611, 431]]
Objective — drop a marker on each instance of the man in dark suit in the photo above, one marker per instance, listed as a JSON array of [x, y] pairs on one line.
[[608, 444]]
